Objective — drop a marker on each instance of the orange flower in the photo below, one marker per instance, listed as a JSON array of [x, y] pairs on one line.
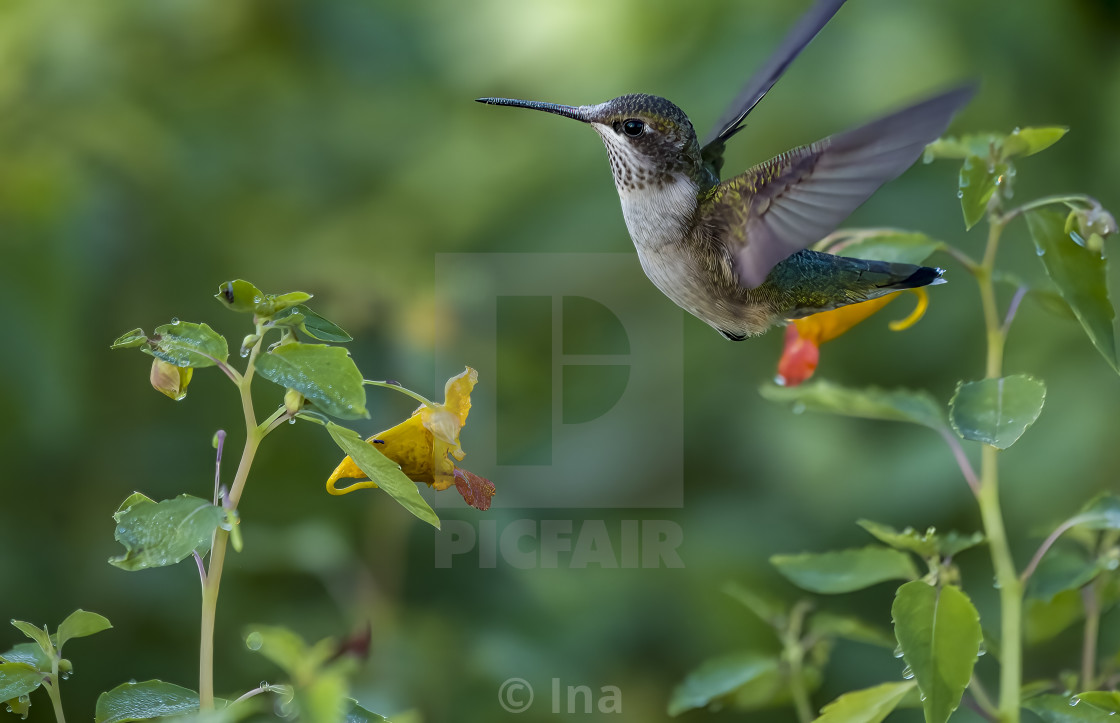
[[421, 445], [804, 336]]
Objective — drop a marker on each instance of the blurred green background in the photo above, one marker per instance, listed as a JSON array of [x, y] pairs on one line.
[[150, 150]]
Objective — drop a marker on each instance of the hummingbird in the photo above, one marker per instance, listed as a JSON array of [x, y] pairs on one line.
[[734, 253]]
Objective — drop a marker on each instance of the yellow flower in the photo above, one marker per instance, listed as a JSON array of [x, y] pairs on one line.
[[804, 336], [423, 446]]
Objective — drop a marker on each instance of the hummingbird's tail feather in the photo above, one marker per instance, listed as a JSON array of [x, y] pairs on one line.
[[817, 282]]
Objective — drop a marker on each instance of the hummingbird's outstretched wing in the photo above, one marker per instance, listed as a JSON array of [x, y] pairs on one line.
[[732, 121], [797, 198]]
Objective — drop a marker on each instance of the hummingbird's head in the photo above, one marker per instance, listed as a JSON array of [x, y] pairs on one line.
[[649, 140]]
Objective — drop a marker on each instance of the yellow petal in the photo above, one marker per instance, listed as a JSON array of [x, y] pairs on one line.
[[915, 315], [828, 325]]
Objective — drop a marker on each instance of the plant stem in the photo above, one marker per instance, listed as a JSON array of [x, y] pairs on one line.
[[253, 436], [51, 686], [1089, 640], [1010, 588], [795, 652]]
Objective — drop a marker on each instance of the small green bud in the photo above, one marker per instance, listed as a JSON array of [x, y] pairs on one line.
[[65, 666], [293, 401]]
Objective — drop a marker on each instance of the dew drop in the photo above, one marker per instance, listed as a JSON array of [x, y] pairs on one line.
[[244, 352], [995, 583], [254, 641], [132, 681], [907, 673], [1016, 131], [1074, 700], [257, 299], [898, 651], [1112, 563], [174, 321], [960, 194], [922, 697], [292, 420]]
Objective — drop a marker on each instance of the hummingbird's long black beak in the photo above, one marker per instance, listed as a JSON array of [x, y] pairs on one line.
[[568, 111]]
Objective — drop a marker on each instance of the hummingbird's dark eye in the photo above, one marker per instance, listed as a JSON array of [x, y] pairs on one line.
[[633, 127]]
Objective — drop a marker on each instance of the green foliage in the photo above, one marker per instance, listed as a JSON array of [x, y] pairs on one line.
[[1079, 273], [870, 705], [845, 570], [719, 678], [80, 624], [897, 405], [938, 631], [900, 247], [996, 411], [325, 375], [144, 701], [159, 534], [927, 544], [1063, 709], [28, 666], [936, 625]]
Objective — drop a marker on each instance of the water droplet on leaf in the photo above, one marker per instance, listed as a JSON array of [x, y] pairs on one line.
[[254, 641], [174, 321], [907, 673]]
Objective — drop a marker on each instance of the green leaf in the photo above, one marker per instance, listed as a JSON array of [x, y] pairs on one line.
[[845, 570], [29, 653], [939, 632], [1028, 141], [39, 635], [79, 624], [1062, 709], [973, 144], [144, 701], [1100, 513], [826, 624], [719, 677], [870, 705], [357, 714], [282, 646], [871, 403], [1044, 619], [129, 339], [1063, 568], [18, 679], [953, 543], [187, 345], [311, 324], [893, 246], [978, 182], [997, 411], [766, 607], [325, 375], [1107, 700], [240, 295], [278, 302], [158, 534], [923, 545], [383, 471], [1080, 275]]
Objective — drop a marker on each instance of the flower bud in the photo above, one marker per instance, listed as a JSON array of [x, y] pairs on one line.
[[293, 401], [169, 379]]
